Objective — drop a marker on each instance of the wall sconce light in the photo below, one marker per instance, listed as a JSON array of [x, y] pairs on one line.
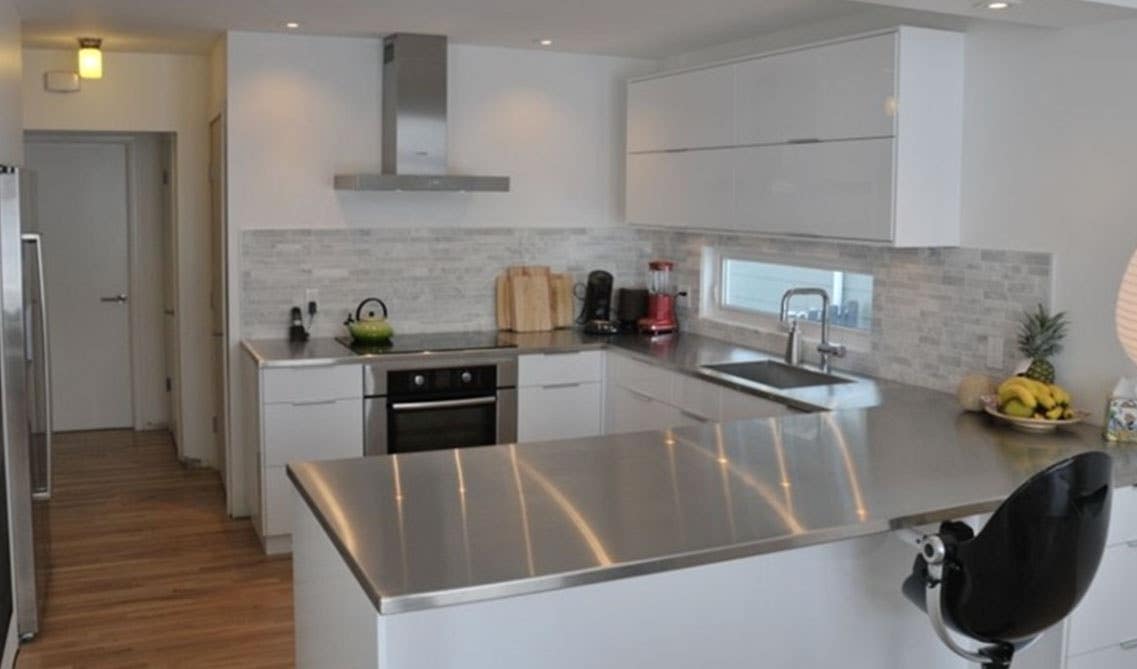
[[90, 58]]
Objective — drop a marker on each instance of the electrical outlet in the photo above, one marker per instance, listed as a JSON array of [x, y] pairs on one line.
[[994, 352]]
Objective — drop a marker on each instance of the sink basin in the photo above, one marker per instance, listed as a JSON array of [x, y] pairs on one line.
[[777, 374]]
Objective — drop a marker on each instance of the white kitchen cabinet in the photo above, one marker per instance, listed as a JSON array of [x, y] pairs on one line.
[[840, 190], [565, 411], [1102, 632], [835, 91], [693, 189], [681, 111], [560, 395], [302, 413], [857, 139], [633, 411], [641, 396]]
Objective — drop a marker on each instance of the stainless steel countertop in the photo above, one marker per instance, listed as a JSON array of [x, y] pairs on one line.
[[434, 529], [685, 353]]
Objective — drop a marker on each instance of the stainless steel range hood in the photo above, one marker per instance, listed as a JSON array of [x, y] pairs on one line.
[[414, 123]]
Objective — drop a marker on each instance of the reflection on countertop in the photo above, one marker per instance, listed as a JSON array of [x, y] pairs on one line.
[[440, 528]]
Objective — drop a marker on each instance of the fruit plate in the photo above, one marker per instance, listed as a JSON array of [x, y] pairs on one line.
[[1032, 425]]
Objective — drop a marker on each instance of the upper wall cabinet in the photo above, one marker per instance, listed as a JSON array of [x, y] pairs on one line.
[[858, 139], [830, 92], [681, 111]]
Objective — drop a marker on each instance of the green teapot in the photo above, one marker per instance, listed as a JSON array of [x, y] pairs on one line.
[[369, 328]]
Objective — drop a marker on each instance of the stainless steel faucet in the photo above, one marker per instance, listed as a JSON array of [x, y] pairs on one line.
[[826, 348]]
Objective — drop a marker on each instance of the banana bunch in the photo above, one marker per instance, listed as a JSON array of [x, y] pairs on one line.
[[1026, 398]]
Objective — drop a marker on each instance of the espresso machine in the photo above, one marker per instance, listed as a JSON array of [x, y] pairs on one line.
[[661, 294]]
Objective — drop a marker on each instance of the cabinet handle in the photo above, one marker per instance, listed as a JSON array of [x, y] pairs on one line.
[[313, 403], [698, 417], [805, 140], [1129, 645], [640, 396], [1131, 544], [558, 386]]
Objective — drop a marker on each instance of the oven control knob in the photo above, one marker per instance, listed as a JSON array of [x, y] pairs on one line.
[[419, 380], [467, 377]]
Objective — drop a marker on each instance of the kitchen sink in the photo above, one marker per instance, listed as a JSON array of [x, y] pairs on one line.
[[777, 374]]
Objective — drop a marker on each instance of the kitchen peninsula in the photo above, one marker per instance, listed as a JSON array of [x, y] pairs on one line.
[[712, 545]]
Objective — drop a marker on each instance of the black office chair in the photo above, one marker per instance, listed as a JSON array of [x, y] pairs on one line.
[[1025, 571]]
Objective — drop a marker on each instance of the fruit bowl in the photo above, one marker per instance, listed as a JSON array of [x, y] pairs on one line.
[[1032, 425]]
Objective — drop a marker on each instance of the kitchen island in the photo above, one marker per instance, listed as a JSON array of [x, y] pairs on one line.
[[754, 543]]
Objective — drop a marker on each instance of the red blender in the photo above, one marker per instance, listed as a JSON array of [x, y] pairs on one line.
[[660, 318]]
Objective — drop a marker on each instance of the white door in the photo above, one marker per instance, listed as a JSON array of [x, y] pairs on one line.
[[81, 200]]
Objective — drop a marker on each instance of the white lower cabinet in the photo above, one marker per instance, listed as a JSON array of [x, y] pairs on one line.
[[1102, 632], [648, 397], [302, 414], [560, 395], [564, 411]]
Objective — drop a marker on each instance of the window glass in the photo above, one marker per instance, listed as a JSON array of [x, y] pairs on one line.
[[750, 285]]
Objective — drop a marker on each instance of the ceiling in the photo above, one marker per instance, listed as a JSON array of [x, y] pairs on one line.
[[636, 28]]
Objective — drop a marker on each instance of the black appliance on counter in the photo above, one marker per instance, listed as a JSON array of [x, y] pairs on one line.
[[631, 306], [464, 394], [596, 315]]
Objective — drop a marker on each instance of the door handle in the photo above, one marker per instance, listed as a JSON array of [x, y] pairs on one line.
[[120, 298]]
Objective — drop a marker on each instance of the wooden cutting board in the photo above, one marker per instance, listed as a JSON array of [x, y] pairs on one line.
[[560, 295], [532, 311], [504, 303]]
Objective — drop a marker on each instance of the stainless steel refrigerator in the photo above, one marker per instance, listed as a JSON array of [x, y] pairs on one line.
[[25, 411]]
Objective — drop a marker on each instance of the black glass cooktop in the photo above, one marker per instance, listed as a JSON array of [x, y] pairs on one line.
[[423, 343]]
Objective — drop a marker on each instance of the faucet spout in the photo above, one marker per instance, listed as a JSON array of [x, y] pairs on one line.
[[826, 348]]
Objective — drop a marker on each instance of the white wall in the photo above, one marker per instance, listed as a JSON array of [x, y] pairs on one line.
[[1050, 163], [11, 72], [1050, 159], [153, 93], [304, 108]]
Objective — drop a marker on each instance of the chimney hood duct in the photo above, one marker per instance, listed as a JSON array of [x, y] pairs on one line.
[[414, 123]]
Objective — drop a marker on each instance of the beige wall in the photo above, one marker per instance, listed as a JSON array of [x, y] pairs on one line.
[[153, 93], [11, 132]]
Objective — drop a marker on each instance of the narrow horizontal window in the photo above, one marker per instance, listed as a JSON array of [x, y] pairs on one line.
[[757, 287]]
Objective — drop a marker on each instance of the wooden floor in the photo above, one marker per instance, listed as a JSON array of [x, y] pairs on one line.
[[147, 570]]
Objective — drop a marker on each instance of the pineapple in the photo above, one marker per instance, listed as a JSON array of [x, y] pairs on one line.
[[1040, 339]]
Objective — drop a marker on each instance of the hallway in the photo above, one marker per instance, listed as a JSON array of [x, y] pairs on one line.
[[148, 571]]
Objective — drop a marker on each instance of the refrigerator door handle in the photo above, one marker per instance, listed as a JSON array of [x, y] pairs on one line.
[[45, 357]]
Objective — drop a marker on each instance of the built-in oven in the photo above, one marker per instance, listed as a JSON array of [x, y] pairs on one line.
[[426, 403]]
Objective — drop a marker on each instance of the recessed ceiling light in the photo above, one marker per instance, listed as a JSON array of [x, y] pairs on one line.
[[292, 25], [997, 5], [543, 41]]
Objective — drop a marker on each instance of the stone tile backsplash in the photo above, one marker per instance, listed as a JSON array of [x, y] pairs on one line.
[[935, 310], [432, 279]]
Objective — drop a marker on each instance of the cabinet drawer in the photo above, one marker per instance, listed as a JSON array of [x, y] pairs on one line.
[[1105, 617], [744, 406], [1116, 657], [324, 431], [697, 399], [548, 369], [278, 502], [312, 384], [1123, 516], [559, 412], [655, 382]]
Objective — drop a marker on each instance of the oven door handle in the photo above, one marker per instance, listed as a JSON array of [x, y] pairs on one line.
[[443, 404]]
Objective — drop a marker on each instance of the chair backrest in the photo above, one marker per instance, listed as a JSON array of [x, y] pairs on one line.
[[1037, 555]]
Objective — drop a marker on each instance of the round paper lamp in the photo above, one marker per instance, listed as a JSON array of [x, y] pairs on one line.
[[1127, 310]]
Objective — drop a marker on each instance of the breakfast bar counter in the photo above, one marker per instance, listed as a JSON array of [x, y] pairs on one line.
[[742, 510]]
